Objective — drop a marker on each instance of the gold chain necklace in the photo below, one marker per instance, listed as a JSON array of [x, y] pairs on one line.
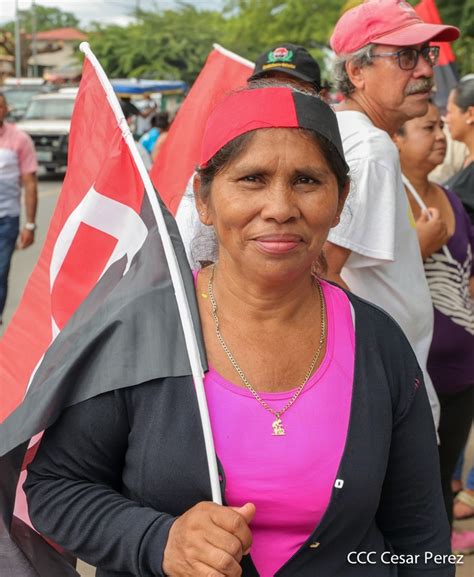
[[277, 424]]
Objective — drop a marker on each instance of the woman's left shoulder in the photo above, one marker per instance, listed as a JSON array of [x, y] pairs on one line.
[[333, 290], [459, 210], [453, 198], [363, 309], [371, 322], [384, 353], [375, 327]]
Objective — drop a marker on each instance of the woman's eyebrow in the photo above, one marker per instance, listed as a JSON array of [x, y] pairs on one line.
[[319, 172], [253, 168]]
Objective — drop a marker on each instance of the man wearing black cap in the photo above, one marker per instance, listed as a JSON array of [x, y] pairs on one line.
[[289, 63]]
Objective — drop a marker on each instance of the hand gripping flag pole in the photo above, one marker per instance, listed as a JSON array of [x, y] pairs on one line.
[[177, 280]]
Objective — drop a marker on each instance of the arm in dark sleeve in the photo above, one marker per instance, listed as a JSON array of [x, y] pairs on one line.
[[412, 515], [73, 491]]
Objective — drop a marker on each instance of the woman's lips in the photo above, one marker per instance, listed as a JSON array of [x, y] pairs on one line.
[[278, 244]]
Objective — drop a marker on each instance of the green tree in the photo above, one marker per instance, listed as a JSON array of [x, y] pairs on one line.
[[255, 25], [46, 19], [175, 43], [464, 47], [451, 12], [166, 44]]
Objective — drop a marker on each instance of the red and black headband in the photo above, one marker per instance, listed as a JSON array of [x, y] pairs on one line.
[[272, 107]]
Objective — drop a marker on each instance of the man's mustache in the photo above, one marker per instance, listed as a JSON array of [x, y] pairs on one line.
[[423, 85]]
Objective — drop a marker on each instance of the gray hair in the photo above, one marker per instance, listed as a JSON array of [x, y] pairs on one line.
[[362, 57], [296, 85]]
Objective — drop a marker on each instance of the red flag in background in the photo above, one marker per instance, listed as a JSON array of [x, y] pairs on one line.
[[101, 196], [223, 72], [445, 73]]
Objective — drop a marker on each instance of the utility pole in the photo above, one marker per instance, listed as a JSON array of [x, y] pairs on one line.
[[17, 42], [33, 37]]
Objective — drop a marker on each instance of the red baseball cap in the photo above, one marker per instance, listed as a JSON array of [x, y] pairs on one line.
[[389, 22]]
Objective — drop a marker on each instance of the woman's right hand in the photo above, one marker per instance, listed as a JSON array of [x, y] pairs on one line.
[[209, 540]]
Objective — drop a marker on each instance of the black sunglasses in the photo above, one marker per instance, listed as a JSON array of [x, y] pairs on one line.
[[408, 57]]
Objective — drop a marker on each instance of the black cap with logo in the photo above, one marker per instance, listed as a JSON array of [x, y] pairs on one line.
[[290, 59]]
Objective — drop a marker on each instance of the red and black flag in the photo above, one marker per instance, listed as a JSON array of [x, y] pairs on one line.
[[109, 304]]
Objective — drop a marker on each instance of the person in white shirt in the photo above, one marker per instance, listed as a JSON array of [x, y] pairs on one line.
[[18, 166], [385, 72]]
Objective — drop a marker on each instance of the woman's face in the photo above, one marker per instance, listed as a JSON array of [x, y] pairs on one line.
[[423, 144], [457, 119], [273, 205]]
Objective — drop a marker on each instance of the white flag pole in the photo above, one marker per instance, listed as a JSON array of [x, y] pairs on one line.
[[234, 56], [177, 279]]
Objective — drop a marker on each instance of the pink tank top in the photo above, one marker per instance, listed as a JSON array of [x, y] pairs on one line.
[[288, 478]]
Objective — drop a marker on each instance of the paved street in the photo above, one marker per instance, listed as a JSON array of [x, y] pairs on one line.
[[23, 263], [24, 260]]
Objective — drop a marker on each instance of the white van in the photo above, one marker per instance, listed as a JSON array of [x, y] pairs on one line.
[[48, 121]]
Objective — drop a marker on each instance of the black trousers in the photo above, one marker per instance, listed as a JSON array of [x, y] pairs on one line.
[[457, 411]]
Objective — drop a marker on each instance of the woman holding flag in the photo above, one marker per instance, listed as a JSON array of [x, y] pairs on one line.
[[322, 428]]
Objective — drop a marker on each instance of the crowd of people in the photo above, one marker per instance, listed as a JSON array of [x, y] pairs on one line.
[[149, 127], [335, 284]]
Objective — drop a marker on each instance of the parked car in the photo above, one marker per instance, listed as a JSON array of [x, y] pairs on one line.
[[48, 121], [19, 92]]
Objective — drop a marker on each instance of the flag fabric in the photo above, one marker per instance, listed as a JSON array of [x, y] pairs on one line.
[[101, 310], [446, 76], [223, 72]]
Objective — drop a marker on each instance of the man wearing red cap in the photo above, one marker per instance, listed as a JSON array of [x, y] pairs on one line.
[[384, 69]]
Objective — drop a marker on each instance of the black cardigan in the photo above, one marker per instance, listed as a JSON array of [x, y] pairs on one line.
[[114, 471]]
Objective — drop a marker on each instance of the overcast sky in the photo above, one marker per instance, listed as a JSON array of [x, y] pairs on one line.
[[106, 11]]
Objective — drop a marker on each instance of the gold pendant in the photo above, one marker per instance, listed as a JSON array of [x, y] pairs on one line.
[[278, 429]]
